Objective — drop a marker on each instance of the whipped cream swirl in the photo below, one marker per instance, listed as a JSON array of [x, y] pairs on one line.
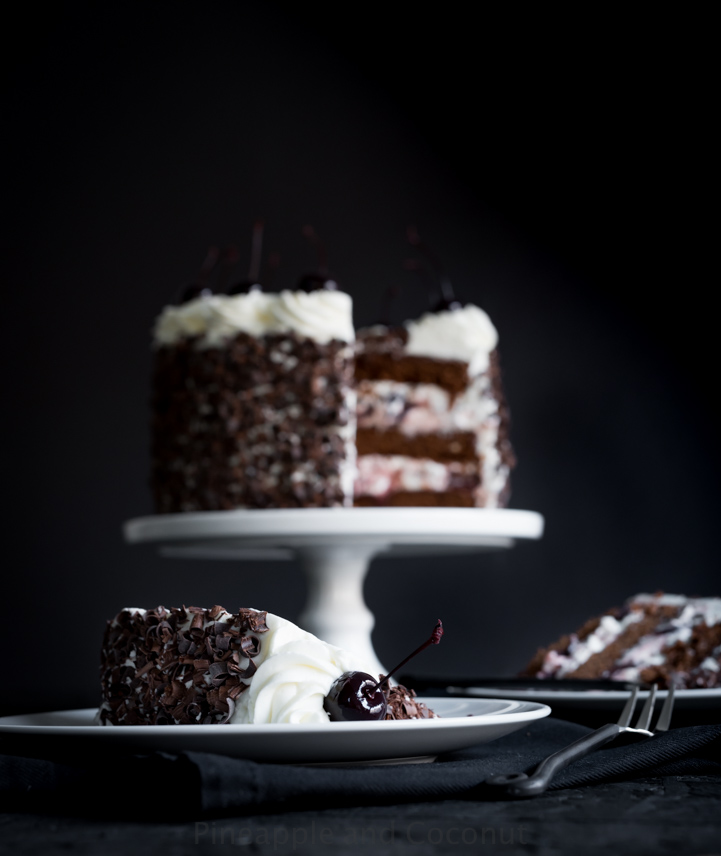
[[295, 673], [465, 334], [320, 315]]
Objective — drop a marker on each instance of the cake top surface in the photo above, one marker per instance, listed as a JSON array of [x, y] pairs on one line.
[[321, 315]]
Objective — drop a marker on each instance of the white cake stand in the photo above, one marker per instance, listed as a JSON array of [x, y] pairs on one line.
[[335, 547]]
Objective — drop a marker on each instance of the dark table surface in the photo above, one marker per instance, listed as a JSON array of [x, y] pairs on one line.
[[670, 814]]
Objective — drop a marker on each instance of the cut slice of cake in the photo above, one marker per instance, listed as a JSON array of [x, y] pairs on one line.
[[665, 639], [188, 666], [253, 403], [432, 418]]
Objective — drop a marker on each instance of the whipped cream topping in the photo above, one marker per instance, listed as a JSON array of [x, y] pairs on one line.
[[466, 334], [320, 315], [295, 673]]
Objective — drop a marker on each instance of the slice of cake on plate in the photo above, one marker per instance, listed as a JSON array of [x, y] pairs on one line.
[[665, 639], [199, 666]]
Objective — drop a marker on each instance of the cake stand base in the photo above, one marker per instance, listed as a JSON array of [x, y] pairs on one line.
[[334, 547]]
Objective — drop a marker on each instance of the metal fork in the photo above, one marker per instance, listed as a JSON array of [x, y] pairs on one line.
[[523, 785]]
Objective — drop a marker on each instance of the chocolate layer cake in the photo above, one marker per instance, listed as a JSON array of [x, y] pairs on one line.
[[665, 639], [432, 419], [252, 402], [210, 667]]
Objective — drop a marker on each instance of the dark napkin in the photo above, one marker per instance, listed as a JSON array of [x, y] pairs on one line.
[[196, 784]]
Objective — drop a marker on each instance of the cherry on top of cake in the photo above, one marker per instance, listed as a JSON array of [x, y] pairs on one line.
[[451, 330], [319, 279]]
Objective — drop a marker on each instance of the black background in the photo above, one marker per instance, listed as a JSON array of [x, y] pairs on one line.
[[560, 167]]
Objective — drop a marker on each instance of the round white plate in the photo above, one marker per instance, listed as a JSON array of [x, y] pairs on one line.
[[463, 723], [701, 699], [277, 532]]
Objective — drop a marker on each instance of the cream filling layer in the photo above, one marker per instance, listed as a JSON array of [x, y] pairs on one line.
[[381, 475]]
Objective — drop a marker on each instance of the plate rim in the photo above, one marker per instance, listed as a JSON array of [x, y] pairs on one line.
[[539, 710]]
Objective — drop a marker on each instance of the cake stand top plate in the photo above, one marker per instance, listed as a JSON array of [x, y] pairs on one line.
[[281, 533]]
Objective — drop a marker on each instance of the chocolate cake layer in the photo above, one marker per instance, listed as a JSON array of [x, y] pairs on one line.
[[262, 422], [448, 374], [459, 446]]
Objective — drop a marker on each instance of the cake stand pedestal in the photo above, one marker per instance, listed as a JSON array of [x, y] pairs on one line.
[[335, 547]]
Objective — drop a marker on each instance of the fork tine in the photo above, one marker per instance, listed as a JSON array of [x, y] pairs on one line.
[[627, 712], [644, 720], [664, 719]]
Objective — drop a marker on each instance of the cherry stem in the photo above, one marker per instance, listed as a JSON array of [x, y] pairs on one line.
[[228, 261], [255, 251], [389, 296], [210, 260], [271, 267], [434, 640], [415, 241], [310, 233]]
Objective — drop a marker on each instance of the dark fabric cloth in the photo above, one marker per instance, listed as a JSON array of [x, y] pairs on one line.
[[197, 784]]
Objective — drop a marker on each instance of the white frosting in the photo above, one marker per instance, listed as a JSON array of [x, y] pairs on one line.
[[465, 334], [320, 315], [295, 673]]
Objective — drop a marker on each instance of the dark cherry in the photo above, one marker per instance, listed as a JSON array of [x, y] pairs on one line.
[[199, 287], [251, 283], [354, 697], [244, 287], [359, 697], [316, 282], [194, 290], [446, 304], [320, 280], [447, 301]]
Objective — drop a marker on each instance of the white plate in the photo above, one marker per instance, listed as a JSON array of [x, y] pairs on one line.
[[700, 699], [463, 723]]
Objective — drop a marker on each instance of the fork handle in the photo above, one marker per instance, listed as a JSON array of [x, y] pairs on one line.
[[523, 785]]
